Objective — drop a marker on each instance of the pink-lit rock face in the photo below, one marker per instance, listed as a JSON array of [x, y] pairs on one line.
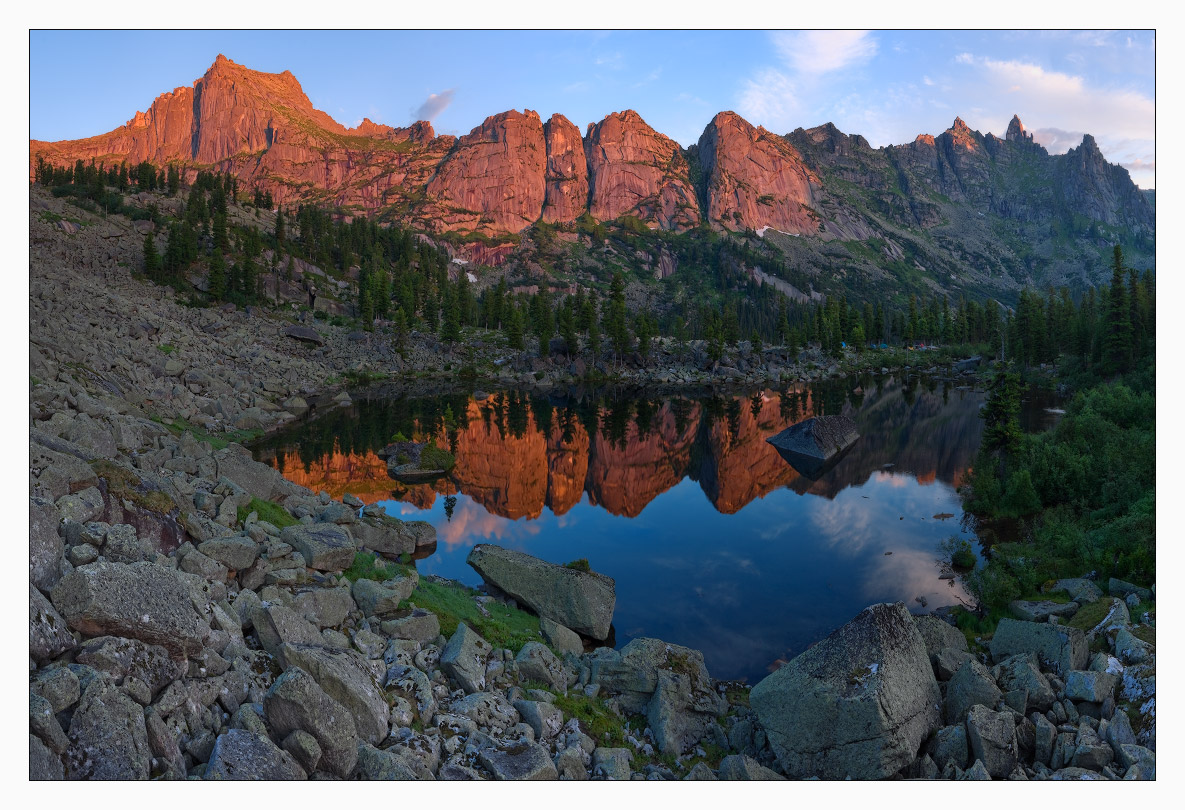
[[756, 179], [493, 180], [567, 171], [635, 170]]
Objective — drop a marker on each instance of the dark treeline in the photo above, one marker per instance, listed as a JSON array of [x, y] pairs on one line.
[[1083, 493]]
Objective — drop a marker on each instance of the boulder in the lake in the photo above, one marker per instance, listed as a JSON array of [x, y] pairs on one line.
[[811, 444], [580, 600], [857, 704]]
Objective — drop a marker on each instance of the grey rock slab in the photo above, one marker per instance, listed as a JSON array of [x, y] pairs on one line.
[[464, 658], [741, 768], [81, 507], [1057, 646], [536, 662], [1081, 591], [296, 702], [49, 635], [1031, 611], [560, 637], [60, 687], [971, 685], [545, 720], [612, 764], [1120, 588], [1023, 671], [580, 600], [375, 599], [304, 748], [122, 658], [46, 549], [44, 724], [44, 764], [571, 764], [346, 677], [488, 709], [324, 546], [242, 756], [108, 738], [992, 738], [938, 635], [142, 600], [418, 625], [1092, 686], [237, 552], [518, 762], [387, 765], [276, 625], [859, 703], [949, 744]]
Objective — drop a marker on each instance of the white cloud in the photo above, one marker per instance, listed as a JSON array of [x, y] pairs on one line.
[[434, 105], [818, 52], [773, 96], [926, 80]]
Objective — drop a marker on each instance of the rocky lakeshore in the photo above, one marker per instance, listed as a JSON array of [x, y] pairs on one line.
[[195, 615]]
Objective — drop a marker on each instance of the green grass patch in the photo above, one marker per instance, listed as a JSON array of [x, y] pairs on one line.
[[1090, 614], [217, 441], [372, 566], [167, 348], [267, 511], [504, 627], [579, 565], [605, 727]]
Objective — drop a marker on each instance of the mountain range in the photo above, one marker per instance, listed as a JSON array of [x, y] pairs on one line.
[[960, 210]]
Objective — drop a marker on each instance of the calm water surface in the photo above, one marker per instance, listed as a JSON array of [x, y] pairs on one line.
[[714, 540]]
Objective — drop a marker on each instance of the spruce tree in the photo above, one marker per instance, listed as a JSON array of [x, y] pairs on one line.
[[152, 261], [218, 276], [1117, 346]]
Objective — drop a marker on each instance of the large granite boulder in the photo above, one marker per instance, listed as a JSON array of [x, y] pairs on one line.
[[296, 703], [580, 600], [240, 755], [858, 704], [46, 549], [1057, 646], [463, 659], [143, 600], [347, 677], [108, 739], [809, 445], [324, 546], [49, 636]]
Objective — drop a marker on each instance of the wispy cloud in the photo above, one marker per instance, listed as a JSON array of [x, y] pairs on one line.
[[774, 95], [434, 105], [814, 53], [612, 61]]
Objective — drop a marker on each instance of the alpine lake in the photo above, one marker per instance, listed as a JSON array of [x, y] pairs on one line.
[[714, 540]]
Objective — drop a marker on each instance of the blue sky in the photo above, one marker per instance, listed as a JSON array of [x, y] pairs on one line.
[[889, 86]]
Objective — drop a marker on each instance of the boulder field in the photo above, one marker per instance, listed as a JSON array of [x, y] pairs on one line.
[[191, 617]]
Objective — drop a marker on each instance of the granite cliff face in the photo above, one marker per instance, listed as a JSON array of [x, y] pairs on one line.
[[515, 170], [634, 170], [756, 179], [567, 171], [492, 181]]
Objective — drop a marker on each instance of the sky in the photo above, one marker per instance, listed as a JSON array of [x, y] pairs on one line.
[[888, 86]]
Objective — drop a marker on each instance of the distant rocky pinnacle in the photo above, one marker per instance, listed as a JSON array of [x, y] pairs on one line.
[[515, 169]]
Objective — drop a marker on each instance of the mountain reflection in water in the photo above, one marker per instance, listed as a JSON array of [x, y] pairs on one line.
[[681, 500]]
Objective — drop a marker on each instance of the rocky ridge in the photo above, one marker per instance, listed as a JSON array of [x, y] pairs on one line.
[[512, 171]]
